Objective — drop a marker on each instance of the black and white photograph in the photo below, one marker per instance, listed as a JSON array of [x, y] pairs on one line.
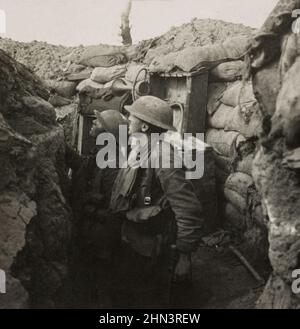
[[149, 157]]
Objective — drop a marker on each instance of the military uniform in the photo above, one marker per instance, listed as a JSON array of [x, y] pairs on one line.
[[163, 217], [97, 232]]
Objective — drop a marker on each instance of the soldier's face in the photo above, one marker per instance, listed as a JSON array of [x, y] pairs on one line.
[[135, 125]]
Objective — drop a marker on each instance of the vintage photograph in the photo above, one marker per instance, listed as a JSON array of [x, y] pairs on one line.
[[149, 155]]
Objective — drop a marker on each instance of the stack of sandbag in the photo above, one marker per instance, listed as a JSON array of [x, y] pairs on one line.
[[102, 56], [91, 76], [97, 68], [235, 110], [245, 119], [95, 92], [236, 189], [100, 64], [234, 123], [193, 58], [242, 208]]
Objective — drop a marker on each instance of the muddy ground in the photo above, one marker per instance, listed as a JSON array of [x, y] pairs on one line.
[[220, 281]]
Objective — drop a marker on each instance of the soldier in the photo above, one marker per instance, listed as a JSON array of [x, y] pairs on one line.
[[97, 231], [163, 215]]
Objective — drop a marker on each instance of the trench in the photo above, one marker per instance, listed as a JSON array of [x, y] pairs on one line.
[[45, 264], [250, 190]]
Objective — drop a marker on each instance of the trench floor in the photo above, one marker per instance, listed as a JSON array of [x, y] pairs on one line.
[[220, 281]]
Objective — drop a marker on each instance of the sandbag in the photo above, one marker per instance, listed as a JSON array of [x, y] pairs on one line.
[[223, 163], [164, 63], [214, 95], [247, 120], [237, 47], [132, 70], [238, 190], [106, 60], [224, 143], [234, 220], [238, 93], [75, 68], [228, 72], [85, 74], [106, 74], [237, 200], [221, 117], [102, 56], [193, 58], [245, 165], [63, 88], [88, 85], [240, 183], [89, 94], [155, 52], [108, 85]]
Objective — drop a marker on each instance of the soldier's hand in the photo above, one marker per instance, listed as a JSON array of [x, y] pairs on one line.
[[183, 269]]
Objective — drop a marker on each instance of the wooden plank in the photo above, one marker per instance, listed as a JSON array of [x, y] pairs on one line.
[[158, 86], [189, 90], [187, 117], [85, 141], [197, 102], [80, 134]]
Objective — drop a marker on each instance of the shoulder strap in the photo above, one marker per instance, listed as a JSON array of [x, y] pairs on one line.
[[148, 188]]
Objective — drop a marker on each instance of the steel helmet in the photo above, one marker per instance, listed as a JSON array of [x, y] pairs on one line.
[[152, 110], [111, 120]]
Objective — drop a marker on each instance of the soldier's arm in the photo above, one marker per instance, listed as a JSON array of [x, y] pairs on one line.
[[181, 196]]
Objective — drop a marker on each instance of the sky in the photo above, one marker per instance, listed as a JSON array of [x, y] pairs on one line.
[[87, 22]]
